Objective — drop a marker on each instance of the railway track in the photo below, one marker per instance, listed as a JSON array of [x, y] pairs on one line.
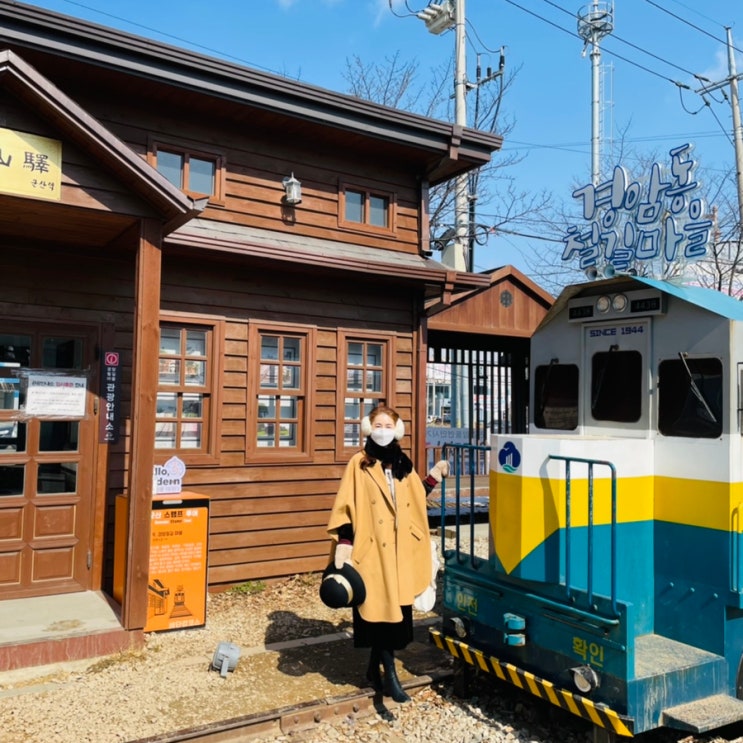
[[294, 719]]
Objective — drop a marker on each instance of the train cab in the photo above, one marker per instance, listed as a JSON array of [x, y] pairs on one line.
[[613, 586]]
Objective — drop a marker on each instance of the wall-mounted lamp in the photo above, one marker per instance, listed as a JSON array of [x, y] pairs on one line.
[[292, 189]]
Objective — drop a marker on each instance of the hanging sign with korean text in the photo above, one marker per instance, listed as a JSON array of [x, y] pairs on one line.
[[661, 219], [30, 165]]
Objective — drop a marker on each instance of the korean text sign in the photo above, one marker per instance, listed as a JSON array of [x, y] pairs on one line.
[[629, 222]]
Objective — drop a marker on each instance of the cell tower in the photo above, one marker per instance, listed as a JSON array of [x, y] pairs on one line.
[[594, 23]]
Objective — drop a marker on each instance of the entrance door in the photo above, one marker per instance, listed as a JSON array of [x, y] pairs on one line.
[[46, 463]]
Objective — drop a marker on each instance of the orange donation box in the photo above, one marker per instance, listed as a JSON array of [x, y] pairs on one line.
[[176, 588]]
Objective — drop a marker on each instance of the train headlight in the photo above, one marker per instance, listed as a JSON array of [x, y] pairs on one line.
[[603, 303], [585, 679], [459, 627], [619, 303]]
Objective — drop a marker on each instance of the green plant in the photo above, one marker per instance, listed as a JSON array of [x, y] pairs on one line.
[[249, 587]]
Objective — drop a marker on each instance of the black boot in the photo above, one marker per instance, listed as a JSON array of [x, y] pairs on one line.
[[373, 674], [392, 686]]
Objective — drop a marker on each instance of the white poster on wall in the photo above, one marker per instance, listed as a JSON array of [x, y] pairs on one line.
[[55, 396]]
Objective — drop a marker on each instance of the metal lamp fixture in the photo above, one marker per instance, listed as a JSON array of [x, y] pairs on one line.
[[292, 189]]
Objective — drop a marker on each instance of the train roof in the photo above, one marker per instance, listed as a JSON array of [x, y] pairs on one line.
[[709, 299]]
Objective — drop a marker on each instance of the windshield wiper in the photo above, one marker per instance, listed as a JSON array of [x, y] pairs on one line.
[[696, 391]]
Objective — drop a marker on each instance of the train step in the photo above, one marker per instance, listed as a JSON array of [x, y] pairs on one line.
[[657, 655], [705, 714]]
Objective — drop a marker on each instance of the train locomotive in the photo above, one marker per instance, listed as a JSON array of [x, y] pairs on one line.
[[613, 583]]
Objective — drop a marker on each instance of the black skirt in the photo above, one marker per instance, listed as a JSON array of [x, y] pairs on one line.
[[383, 635]]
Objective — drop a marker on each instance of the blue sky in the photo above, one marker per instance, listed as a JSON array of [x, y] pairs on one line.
[[655, 43]]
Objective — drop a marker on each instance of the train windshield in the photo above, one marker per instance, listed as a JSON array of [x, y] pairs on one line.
[[690, 397], [616, 386], [556, 396]]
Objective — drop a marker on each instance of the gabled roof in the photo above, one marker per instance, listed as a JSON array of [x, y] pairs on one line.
[[510, 304], [440, 149], [74, 124]]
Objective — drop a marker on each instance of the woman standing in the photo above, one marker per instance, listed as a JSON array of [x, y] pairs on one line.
[[379, 524]]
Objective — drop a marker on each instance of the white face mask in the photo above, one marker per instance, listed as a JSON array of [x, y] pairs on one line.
[[382, 436]]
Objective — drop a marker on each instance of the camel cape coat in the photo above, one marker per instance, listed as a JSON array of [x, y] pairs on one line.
[[391, 545]]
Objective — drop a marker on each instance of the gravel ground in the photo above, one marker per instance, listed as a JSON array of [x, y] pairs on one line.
[[167, 686]]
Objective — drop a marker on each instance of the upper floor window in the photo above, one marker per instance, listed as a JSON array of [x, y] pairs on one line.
[[366, 209], [279, 401], [186, 409], [196, 173], [365, 383]]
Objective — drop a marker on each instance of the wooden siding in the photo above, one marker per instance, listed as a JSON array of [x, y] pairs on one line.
[[269, 520]]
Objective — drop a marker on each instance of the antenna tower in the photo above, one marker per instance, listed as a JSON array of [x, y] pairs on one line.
[[594, 23]]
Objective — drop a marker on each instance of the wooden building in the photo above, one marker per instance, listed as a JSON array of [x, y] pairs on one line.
[[163, 297]]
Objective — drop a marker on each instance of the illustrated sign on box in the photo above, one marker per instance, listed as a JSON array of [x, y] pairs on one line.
[[176, 589]]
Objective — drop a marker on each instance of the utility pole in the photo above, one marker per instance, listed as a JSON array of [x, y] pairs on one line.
[[737, 131], [732, 80], [593, 25], [440, 17]]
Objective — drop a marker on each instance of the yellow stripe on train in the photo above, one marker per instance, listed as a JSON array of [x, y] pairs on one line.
[[597, 714]]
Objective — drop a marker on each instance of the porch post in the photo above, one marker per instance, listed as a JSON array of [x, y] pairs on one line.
[[144, 397]]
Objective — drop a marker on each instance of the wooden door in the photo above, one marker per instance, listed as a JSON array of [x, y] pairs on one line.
[[47, 458]]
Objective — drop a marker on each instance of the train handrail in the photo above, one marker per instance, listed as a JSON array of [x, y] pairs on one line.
[[456, 453], [590, 533]]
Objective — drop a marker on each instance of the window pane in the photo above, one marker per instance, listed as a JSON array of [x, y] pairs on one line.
[[58, 435], [378, 211], [288, 434], [292, 349], [191, 435], [195, 343], [373, 381], [556, 393], [355, 354], [266, 434], [10, 391], [12, 437], [195, 373], [167, 404], [57, 478], [62, 353], [201, 175], [269, 347], [170, 342], [353, 408], [170, 371], [354, 206], [164, 435], [690, 398], [353, 380], [374, 355], [269, 376], [193, 406], [288, 407], [11, 479], [266, 406], [290, 377], [351, 434], [171, 166], [616, 386]]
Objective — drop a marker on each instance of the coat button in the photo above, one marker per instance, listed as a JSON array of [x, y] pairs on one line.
[[381, 521]]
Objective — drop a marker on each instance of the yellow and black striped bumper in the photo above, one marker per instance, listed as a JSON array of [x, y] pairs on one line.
[[598, 714]]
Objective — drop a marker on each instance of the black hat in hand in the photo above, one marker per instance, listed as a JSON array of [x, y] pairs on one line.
[[342, 587]]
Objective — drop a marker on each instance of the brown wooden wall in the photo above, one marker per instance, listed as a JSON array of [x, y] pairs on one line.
[[269, 519]]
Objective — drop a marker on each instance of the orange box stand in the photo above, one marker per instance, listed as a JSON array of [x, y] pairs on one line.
[[179, 544], [176, 588]]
